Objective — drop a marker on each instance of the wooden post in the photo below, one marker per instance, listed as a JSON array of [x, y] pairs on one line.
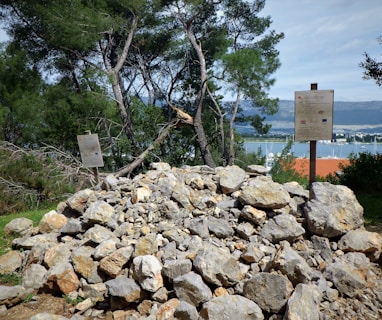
[[312, 155]]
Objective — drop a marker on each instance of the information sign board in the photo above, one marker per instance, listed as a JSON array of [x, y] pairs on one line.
[[90, 149], [313, 114]]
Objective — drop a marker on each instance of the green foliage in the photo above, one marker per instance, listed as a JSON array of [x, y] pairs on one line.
[[283, 170], [80, 42], [243, 159], [29, 181], [372, 67], [363, 174], [13, 279], [372, 207], [20, 87], [73, 301], [28, 298], [68, 112]]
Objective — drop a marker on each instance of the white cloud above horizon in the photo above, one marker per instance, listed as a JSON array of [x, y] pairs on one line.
[[324, 43]]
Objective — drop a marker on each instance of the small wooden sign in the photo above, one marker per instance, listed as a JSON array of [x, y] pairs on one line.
[[313, 115], [90, 150]]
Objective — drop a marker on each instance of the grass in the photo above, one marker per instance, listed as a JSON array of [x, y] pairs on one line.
[[13, 279], [6, 240]]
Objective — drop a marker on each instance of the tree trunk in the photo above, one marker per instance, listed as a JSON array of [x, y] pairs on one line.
[[231, 155], [198, 124], [113, 72]]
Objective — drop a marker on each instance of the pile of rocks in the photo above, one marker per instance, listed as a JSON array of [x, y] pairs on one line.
[[202, 243]]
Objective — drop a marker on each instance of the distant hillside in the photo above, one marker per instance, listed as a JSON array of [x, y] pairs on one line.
[[353, 113], [358, 116]]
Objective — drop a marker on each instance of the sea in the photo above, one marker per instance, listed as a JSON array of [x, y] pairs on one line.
[[324, 149]]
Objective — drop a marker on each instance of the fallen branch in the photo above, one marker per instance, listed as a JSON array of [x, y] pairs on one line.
[[158, 141]]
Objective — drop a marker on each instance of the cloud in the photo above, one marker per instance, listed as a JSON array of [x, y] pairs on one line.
[[325, 42]]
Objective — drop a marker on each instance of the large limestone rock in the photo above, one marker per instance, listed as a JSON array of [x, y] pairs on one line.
[[262, 192], [231, 307], [268, 290], [364, 241], [10, 262], [282, 227], [304, 302], [19, 227], [333, 211], [52, 221]]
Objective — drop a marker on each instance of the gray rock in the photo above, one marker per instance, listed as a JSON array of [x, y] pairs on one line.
[[291, 264], [47, 316], [333, 211], [199, 226], [262, 192], [52, 221], [256, 170], [176, 268], [245, 230], [10, 296], [282, 227], [105, 248], [232, 243], [28, 243], [84, 264], [295, 189], [126, 288], [171, 210], [256, 216], [231, 178], [363, 241], [348, 273], [99, 212], [73, 227], [322, 246], [253, 254], [79, 200], [147, 271], [34, 276], [269, 291], [19, 227], [191, 288], [220, 227], [99, 234], [110, 182], [181, 194], [10, 262], [186, 311], [113, 263], [304, 303], [217, 266], [57, 255], [231, 307]]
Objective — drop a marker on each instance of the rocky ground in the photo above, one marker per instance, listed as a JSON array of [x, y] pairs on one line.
[[197, 243]]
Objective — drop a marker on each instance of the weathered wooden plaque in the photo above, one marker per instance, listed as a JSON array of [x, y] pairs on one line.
[[313, 115]]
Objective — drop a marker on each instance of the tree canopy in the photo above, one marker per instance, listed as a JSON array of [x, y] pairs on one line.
[[148, 76], [373, 68]]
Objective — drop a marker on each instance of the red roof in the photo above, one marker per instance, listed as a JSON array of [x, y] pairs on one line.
[[324, 166]]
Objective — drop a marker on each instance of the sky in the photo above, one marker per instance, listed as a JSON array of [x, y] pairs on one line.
[[324, 43]]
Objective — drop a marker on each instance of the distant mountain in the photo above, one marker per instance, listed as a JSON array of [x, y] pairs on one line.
[[350, 116]]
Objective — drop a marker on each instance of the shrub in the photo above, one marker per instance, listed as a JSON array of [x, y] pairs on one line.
[[363, 174], [30, 179]]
